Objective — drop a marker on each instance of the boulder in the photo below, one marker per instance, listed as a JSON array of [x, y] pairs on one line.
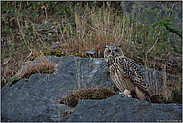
[[121, 108], [34, 98]]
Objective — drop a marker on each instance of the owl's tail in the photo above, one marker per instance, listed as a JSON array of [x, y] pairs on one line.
[[142, 95]]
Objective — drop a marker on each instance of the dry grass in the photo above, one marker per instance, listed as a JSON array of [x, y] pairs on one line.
[[170, 92], [95, 29], [45, 66]]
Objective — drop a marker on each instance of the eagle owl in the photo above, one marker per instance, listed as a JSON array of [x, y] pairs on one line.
[[125, 73]]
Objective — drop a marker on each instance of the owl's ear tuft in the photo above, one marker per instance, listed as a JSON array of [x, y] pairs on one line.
[[119, 46], [105, 47]]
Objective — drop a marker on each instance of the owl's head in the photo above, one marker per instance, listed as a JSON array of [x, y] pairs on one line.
[[113, 51]]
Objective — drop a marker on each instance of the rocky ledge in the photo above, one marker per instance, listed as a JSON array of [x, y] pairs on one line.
[[34, 98], [120, 108]]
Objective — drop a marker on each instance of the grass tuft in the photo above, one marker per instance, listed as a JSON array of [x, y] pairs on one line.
[[44, 66]]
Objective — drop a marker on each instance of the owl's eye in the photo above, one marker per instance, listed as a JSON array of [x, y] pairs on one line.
[[109, 51], [116, 50]]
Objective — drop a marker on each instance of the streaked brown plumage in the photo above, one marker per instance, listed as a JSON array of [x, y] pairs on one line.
[[125, 73]]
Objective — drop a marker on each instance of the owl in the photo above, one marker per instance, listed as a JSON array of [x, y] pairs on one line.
[[125, 74]]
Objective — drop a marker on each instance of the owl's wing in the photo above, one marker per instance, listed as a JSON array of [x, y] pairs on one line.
[[131, 70]]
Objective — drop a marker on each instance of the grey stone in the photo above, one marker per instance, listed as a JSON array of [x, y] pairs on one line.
[[34, 98], [140, 6], [120, 108], [91, 53]]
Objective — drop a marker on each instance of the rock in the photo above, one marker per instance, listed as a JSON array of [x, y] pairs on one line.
[[91, 53], [155, 79], [125, 109], [54, 45], [27, 101], [34, 98]]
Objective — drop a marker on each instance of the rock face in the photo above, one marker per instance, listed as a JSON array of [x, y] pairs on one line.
[[141, 5], [123, 109], [34, 98]]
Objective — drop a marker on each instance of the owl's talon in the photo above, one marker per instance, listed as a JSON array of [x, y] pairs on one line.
[[130, 96]]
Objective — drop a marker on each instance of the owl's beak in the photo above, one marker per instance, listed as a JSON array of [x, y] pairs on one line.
[[113, 53]]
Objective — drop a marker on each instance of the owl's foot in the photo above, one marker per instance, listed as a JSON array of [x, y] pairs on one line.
[[126, 93]]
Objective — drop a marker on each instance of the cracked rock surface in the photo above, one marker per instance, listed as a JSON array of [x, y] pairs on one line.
[[34, 98]]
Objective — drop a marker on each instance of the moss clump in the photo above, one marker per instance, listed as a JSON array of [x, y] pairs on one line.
[[57, 53], [49, 71], [83, 56], [95, 94]]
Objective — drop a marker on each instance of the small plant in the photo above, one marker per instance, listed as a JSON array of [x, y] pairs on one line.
[[97, 81], [64, 88], [108, 73], [91, 119], [14, 80]]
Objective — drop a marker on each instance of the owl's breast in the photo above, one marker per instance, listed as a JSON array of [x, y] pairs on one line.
[[115, 67], [119, 77]]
